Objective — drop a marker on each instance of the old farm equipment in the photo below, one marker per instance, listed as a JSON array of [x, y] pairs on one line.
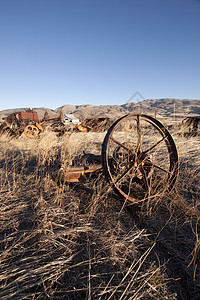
[[139, 159], [191, 126], [86, 125], [25, 122], [95, 124]]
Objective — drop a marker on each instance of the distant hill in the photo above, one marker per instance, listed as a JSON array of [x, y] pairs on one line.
[[159, 107], [155, 107], [91, 111]]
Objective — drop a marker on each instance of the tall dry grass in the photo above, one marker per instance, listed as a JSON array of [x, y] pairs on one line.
[[78, 241]]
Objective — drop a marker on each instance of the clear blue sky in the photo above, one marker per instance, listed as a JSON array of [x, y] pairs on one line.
[[57, 52]]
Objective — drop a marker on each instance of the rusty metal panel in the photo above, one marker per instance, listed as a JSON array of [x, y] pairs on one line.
[[75, 172], [33, 116]]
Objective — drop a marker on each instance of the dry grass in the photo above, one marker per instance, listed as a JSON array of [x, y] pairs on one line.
[[78, 241]]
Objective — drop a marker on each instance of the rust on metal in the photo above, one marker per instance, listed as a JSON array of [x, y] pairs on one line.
[[15, 123], [27, 115], [31, 131], [81, 128], [139, 158], [74, 173], [96, 124], [191, 126]]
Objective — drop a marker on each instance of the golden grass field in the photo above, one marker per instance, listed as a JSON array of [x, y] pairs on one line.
[[78, 241]]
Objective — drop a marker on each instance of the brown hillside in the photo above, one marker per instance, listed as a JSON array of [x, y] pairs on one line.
[[169, 107]]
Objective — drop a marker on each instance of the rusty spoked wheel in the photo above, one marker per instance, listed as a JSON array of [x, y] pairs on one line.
[[139, 158], [31, 131]]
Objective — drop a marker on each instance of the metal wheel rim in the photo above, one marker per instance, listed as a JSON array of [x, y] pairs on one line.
[[31, 131], [140, 161]]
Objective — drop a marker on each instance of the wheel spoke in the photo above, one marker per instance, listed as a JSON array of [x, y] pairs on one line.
[[124, 174], [139, 143], [120, 144], [154, 146], [144, 178], [129, 168], [160, 168]]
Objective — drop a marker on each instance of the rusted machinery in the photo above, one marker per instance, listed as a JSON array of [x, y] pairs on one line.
[[87, 125], [191, 126], [95, 124], [25, 122], [28, 124], [139, 159]]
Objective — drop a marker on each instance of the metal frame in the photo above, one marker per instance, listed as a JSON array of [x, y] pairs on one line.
[[128, 166]]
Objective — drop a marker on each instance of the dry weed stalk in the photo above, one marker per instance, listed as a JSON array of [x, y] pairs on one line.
[[79, 241]]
